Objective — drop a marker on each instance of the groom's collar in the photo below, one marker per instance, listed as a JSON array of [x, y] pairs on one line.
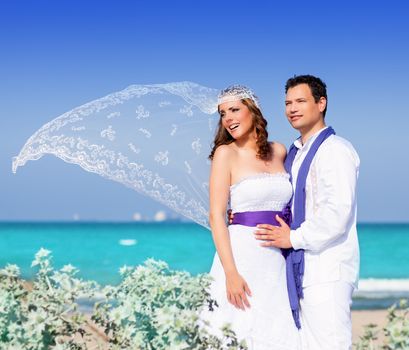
[[308, 143]]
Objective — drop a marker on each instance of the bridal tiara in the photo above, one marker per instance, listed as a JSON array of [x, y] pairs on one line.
[[235, 93]]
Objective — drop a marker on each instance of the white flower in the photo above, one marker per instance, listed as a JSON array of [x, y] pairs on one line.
[[11, 271], [120, 314], [42, 253], [124, 270], [41, 256], [69, 269]]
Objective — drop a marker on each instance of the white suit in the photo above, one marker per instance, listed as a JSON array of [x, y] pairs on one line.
[[330, 241]]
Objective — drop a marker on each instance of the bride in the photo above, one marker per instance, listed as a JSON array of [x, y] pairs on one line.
[[247, 171]]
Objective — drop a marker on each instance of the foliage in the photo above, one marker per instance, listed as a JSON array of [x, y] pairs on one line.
[[156, 308], [43, 315], [396, 331], [152, 308]]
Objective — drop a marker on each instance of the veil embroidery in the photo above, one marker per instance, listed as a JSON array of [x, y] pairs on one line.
[[154, 139]]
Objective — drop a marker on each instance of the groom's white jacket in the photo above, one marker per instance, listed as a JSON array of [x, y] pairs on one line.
[[329, 235]]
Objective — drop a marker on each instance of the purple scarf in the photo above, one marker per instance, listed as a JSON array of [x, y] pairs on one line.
[[295, 258]]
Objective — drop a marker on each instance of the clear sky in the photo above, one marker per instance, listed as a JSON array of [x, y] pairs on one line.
[[56, 55]]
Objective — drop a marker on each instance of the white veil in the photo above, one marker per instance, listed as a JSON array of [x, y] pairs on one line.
[[154, 139]]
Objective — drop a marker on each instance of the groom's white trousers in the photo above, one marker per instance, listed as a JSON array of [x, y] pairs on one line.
[[326, 317]]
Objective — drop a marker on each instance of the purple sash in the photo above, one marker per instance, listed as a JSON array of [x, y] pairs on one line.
[[253, 218]]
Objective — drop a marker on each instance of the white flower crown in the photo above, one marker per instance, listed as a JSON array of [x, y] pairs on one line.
[[235, 93]]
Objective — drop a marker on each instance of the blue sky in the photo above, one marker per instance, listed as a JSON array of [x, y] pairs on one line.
[[57, 55]]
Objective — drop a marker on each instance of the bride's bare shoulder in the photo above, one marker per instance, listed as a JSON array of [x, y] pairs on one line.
[[224, 152], [279, 150]]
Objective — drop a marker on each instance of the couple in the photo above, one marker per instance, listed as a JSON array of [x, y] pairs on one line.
[[282, 283]]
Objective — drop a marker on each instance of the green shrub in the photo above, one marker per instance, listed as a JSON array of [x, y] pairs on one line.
[[153, 307], [44, 314], [396, 331], [157, 308]]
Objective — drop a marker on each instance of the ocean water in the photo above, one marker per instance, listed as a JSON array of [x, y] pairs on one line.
[[98, 250]]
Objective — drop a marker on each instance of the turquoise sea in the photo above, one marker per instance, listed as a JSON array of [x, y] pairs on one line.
[[100, 249]]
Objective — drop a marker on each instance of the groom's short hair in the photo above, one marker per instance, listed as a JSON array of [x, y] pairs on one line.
[[317, 86]]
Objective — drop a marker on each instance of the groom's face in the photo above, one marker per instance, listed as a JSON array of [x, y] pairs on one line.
[[302, 111]]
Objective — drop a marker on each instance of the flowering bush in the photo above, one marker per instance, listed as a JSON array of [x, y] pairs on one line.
[[156, 308], [44, 315], [152, 308]]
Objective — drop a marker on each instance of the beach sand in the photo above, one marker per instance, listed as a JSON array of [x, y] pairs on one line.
[[361, 318]]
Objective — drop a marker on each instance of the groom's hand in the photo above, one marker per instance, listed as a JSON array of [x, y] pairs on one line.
[[274, 236]]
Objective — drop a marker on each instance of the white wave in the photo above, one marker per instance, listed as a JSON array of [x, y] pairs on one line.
[[374, 284], [127, 242], [373, 287]]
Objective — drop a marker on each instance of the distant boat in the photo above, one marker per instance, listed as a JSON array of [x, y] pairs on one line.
[[128, 242]]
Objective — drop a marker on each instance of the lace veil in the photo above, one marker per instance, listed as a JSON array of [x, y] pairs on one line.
[[154, 139]]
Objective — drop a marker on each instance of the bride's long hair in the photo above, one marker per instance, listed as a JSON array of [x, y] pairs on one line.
[[264, 151]]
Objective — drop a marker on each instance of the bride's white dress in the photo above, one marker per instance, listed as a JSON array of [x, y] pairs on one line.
[[268, 324]]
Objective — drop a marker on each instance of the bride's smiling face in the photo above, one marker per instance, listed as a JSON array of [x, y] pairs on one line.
[[236, 118]]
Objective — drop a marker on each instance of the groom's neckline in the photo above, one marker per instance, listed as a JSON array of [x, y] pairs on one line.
[[311, 139]]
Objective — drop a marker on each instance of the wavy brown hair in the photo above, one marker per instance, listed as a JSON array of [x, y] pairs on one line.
[[223, 137]]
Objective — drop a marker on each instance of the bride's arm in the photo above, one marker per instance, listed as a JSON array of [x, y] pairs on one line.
[[236, 287], [219, 195]]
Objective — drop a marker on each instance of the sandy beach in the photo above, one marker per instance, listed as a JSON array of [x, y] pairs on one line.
[[360, 318]]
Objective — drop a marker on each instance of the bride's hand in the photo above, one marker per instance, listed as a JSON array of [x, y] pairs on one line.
[[230, 217], [237, 291]]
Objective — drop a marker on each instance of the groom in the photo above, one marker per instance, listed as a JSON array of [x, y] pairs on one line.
[[323, 255]]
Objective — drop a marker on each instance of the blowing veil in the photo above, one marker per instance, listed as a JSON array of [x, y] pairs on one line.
[[154, 139]]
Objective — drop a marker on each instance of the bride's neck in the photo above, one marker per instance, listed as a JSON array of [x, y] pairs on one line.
[[247, 143]]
